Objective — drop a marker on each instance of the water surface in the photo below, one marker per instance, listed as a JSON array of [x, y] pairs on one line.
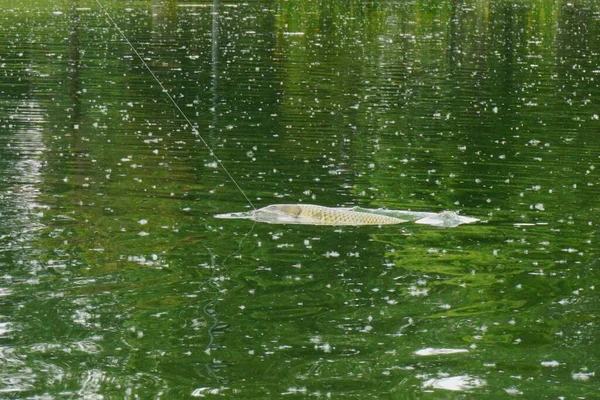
[[116, 280]]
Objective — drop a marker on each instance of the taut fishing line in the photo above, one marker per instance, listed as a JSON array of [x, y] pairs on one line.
[[165, 91], [212, 153]]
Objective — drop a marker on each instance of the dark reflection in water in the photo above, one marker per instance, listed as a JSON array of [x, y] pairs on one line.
[[118, 282]]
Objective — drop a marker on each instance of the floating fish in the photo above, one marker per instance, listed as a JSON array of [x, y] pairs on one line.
[[310, 214]]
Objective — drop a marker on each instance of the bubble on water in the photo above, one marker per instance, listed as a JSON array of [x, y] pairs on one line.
[[430, 351], [325, 347], [582, 376], [513, 391], [414, 291], [552, 363], [455, 383]]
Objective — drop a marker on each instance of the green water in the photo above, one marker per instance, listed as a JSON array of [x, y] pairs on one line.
[[117, 282]]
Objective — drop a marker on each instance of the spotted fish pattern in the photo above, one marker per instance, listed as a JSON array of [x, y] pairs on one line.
[[319, 215]]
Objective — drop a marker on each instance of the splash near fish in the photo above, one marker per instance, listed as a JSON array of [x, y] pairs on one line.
[[310, 214]]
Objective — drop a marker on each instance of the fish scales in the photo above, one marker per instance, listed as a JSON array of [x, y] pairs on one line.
[[329, 216]]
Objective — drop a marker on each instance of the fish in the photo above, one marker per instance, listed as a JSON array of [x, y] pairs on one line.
[[311, 214]]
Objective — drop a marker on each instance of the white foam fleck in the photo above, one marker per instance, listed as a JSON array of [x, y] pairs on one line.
[[455, 383], [513, 391], [414, 291], [430, 351], [582, 376], [552, 363]]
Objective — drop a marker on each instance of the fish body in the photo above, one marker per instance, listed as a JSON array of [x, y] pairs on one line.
[[311, 214]]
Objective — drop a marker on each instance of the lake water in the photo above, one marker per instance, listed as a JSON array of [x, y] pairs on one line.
[[117, 282]]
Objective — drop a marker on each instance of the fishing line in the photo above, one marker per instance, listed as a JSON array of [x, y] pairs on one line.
[[210, 302], [165, 91]]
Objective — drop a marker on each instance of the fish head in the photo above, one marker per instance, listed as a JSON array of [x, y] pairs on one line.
[[236, 215]]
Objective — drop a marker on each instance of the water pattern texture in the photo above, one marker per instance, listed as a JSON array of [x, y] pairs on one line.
[[116, 280]]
